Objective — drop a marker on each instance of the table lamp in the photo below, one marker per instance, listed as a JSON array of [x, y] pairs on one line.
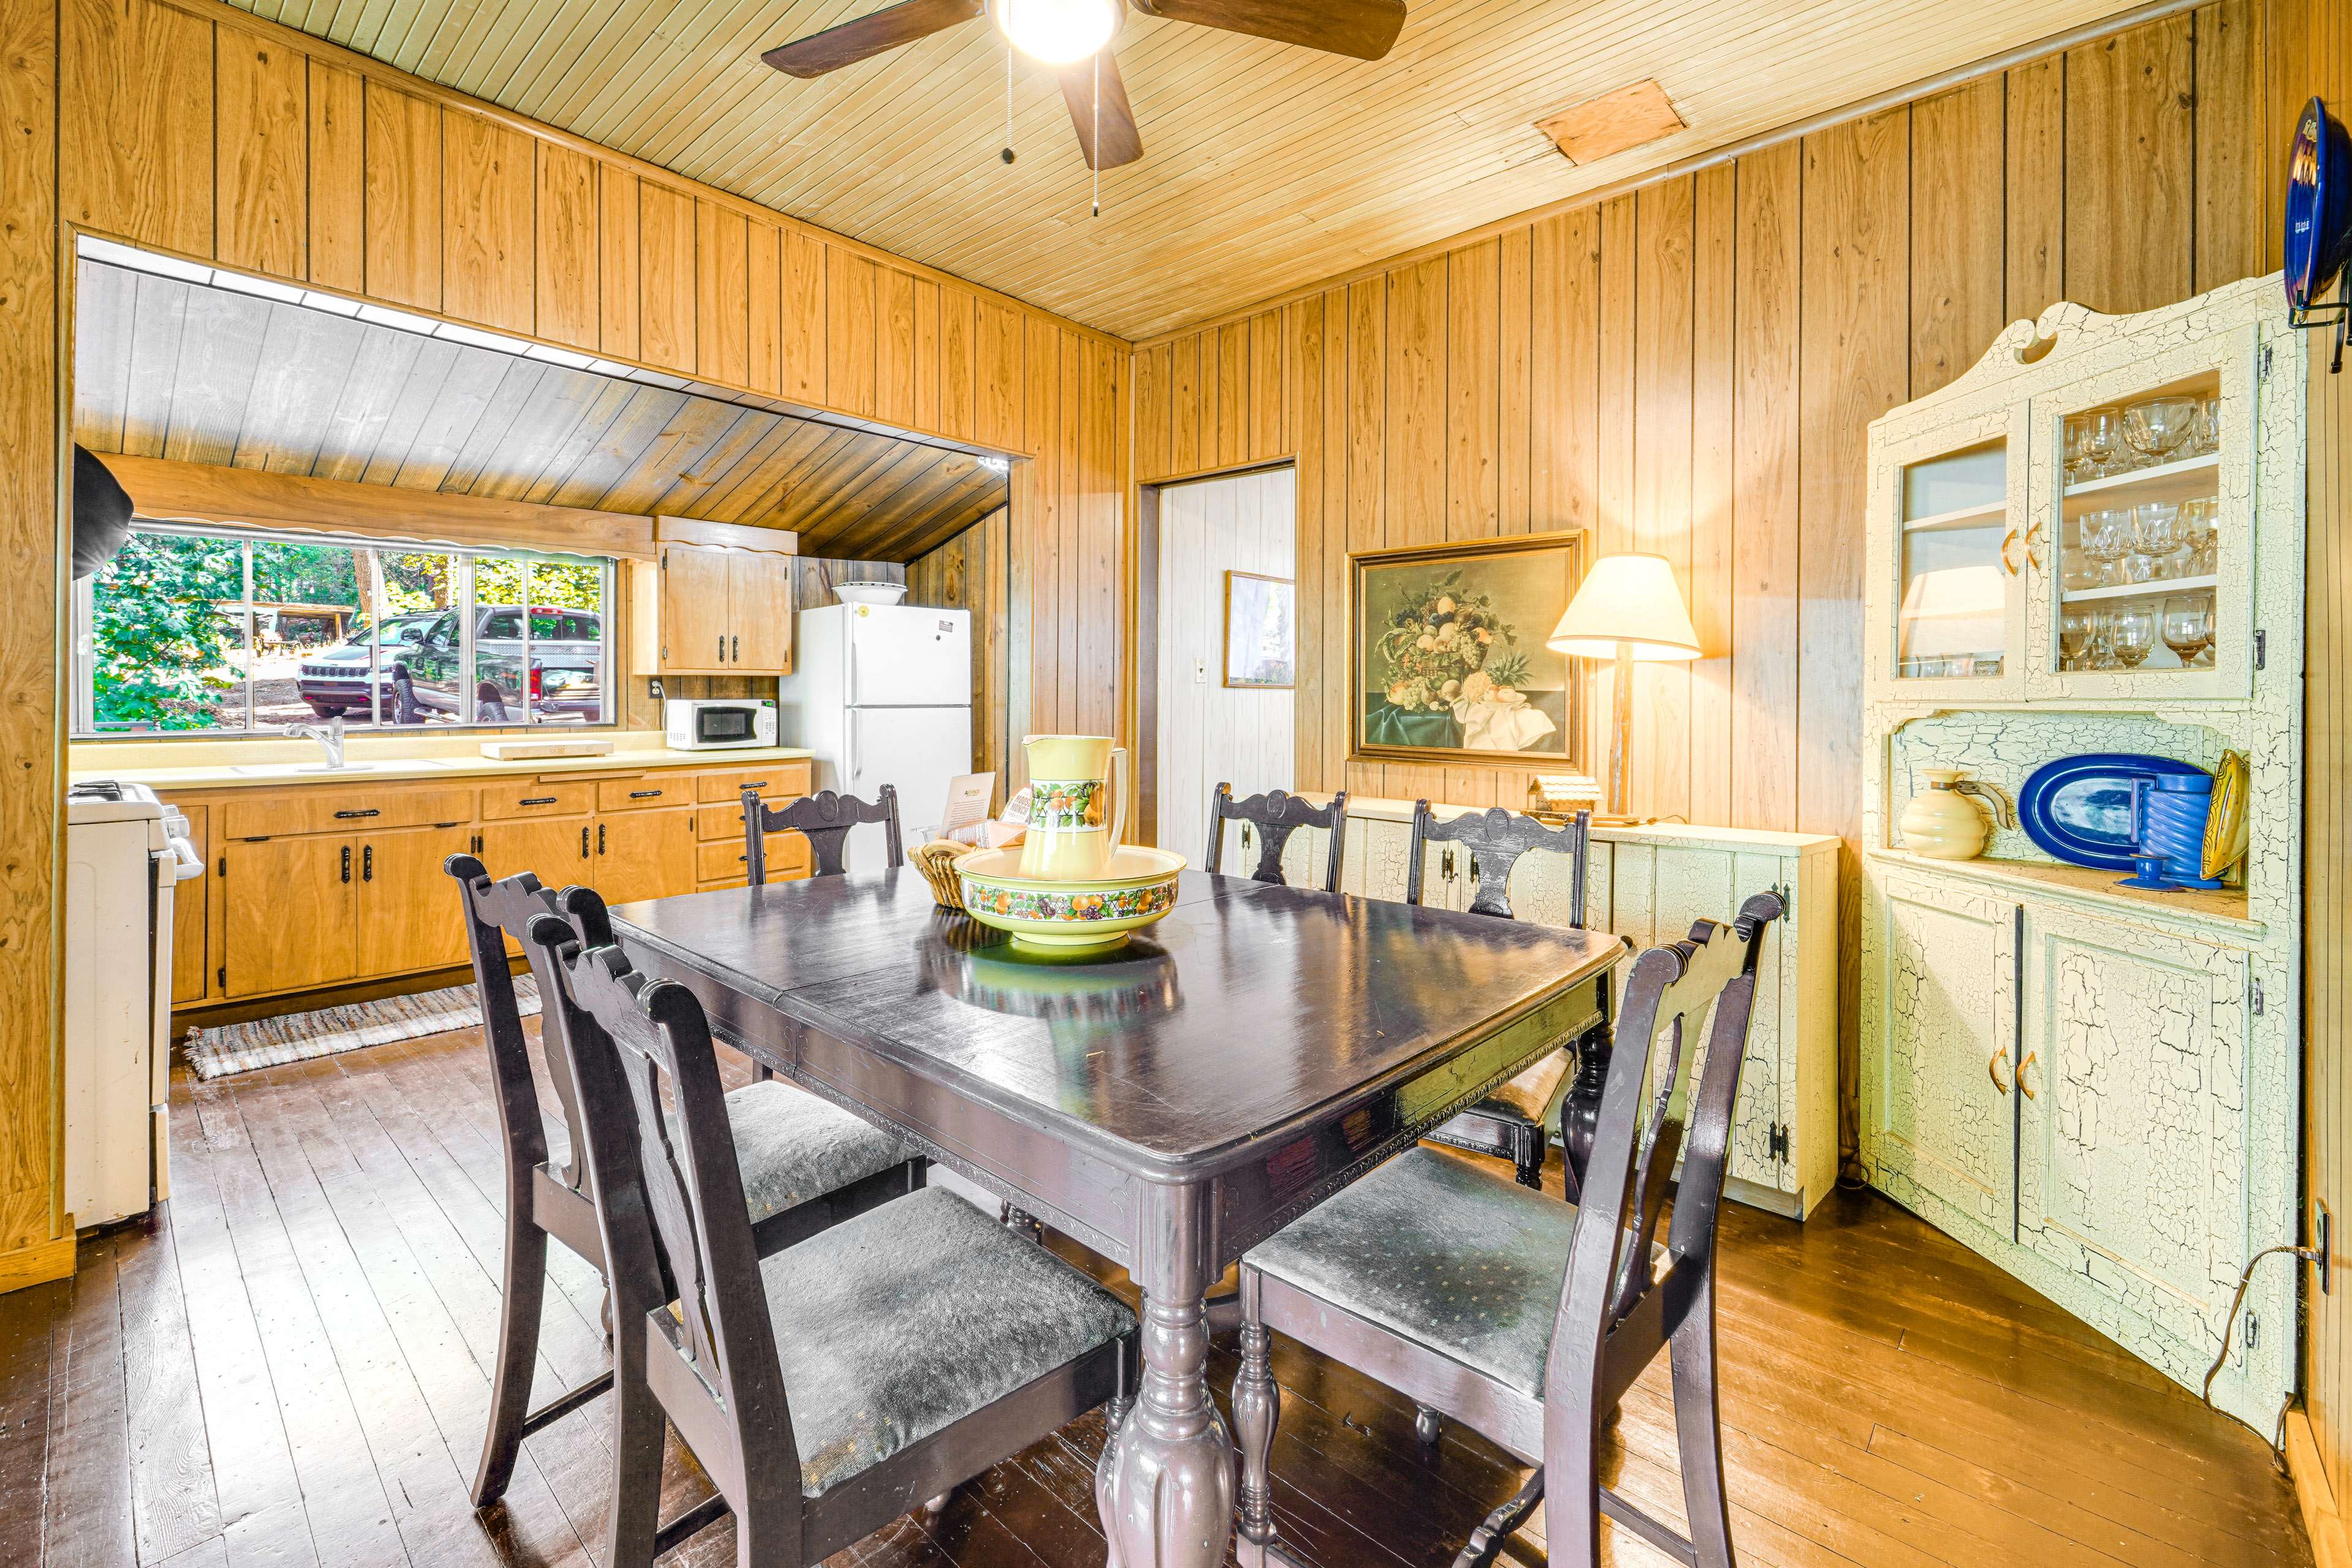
[[1628, 607]]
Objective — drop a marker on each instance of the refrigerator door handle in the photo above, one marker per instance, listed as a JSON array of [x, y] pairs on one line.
[[850, 753]]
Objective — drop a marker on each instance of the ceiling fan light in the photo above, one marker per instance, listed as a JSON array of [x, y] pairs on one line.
[[1056, 32]]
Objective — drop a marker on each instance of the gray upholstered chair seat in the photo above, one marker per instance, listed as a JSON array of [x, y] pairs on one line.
[[901, 1321], [1531, 1094], [1442, 1252], [792, 1146]]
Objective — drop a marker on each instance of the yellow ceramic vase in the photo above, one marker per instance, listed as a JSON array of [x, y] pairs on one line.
[[1075, 826]]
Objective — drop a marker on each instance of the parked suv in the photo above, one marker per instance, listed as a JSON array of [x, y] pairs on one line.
[[336, 682], [564, 680]]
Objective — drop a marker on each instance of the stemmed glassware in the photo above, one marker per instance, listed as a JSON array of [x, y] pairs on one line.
[[2073, 637], [2188, 627], [2155, 426], [2208, 438], [2103, 441], [2199, 534], [2132, 634], [2156, 531]]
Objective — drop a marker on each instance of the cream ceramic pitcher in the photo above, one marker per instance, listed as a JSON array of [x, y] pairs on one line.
[[1073, 829]]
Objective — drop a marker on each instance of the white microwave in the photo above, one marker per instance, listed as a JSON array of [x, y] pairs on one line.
[[718, 723]]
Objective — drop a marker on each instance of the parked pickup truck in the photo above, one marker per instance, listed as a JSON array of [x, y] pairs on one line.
[[420, 669]]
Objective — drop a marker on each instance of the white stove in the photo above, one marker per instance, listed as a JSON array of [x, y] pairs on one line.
[[125, 853]]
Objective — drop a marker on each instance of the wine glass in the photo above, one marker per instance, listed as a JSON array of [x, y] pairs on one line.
[[2101, 654], [2155, 530], [2107, 537], [2133, 634], [2102, 440], [2208, 424], [2074, 638], [2199, 534], [2078, 457], [2155, 426], [2188, 626]]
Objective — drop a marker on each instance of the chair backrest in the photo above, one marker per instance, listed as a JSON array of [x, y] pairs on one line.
[[1277, 814], [494, 910], [1646, 1108], [1496, 839], [669, 1193], [825, 819]]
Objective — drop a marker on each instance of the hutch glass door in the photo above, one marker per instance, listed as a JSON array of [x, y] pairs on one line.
[[2143, 535], [1958, 612]]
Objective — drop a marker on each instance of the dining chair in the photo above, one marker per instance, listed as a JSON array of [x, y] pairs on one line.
[[806, 1164], [1514, 1120], [825, 819], [1278, 815], [832, 1386], [1525, 1318]]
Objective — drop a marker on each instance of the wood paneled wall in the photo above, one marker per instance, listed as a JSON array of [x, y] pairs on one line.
[[193, 127], [188, 127], [1690, 368], [969, 572], [2314, 57]]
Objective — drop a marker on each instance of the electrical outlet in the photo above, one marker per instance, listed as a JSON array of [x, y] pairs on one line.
[[2320, 1241], [1200, 672], [654, 688]]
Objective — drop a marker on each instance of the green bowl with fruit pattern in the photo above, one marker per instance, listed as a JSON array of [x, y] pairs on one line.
[[1139, 888]]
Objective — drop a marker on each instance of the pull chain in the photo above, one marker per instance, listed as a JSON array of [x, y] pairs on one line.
[[1097, 159], [1007, 154]]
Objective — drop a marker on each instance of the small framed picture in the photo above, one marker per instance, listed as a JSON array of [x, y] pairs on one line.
[[1261, 631]]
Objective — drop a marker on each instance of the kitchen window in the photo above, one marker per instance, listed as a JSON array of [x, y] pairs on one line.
[[213, 632]]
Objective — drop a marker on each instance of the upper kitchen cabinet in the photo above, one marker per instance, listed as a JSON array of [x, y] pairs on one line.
[[716, 600]]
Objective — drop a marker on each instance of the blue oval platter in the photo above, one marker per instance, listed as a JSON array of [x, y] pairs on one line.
[[2079, 808]]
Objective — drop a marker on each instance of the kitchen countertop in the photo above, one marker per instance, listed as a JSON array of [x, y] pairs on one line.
[[376, 758]]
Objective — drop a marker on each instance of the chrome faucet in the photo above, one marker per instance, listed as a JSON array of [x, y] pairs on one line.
[[329, 736]]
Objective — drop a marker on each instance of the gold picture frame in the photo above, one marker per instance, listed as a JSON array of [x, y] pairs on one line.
[[1469, 682], [1266, 656]]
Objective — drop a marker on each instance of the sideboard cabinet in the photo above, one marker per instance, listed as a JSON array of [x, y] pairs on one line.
[[1648, 885], [2093, 1086]]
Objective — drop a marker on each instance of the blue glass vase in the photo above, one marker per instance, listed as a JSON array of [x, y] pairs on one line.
[[2167, 828]]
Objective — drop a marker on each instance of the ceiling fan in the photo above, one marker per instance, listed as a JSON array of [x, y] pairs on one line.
[[1073, 38]]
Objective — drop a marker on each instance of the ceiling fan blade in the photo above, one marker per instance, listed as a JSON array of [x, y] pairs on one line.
[[869, 35], [1366, 29], [1122, 142]]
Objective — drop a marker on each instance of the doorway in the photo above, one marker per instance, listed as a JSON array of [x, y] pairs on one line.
[[1202, 726]]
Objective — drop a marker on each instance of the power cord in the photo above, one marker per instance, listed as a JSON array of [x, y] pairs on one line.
[[2277, 1438]]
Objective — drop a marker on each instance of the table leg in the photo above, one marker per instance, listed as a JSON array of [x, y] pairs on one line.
[[1165, 1485]]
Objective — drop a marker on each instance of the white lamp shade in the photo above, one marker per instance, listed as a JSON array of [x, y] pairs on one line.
[[1630, 601], [1056, 32]]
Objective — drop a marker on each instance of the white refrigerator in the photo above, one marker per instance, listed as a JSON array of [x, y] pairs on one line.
[[882, 694]]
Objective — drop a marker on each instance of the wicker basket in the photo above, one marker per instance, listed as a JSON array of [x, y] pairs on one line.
[[936, 860]]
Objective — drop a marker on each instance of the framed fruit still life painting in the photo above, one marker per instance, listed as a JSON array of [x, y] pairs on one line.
[[1447, 655]]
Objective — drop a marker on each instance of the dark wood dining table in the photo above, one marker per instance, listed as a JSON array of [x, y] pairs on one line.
[[1168, 1104]]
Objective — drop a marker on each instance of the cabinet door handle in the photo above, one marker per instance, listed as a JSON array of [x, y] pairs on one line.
[[584, 844], [2007, 546], [722, 648], [755, 783], [347, 862], [2026, 1087], [1992, 1069], [737, 655], [367, 864], [346, 816], [537, 800], [600, 838], [645, 794]]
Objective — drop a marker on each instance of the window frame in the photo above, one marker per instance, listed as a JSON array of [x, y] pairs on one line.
[[379, 719]]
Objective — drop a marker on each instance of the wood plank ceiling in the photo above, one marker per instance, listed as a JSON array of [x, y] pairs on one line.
[[1264, 166], [170, 368]]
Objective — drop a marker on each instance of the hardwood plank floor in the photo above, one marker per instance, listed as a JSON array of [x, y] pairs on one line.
[[288, 1365]]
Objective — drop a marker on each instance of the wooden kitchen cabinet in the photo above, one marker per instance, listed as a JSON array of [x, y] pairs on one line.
[[643, 855], [288, 907], [281, 911], [408, 908], [191, 917], [716, 600]]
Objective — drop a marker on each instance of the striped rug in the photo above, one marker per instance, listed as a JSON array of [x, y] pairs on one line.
[[301, 1037]]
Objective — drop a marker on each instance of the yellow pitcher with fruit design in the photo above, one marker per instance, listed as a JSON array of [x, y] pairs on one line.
[[1073, 827]]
